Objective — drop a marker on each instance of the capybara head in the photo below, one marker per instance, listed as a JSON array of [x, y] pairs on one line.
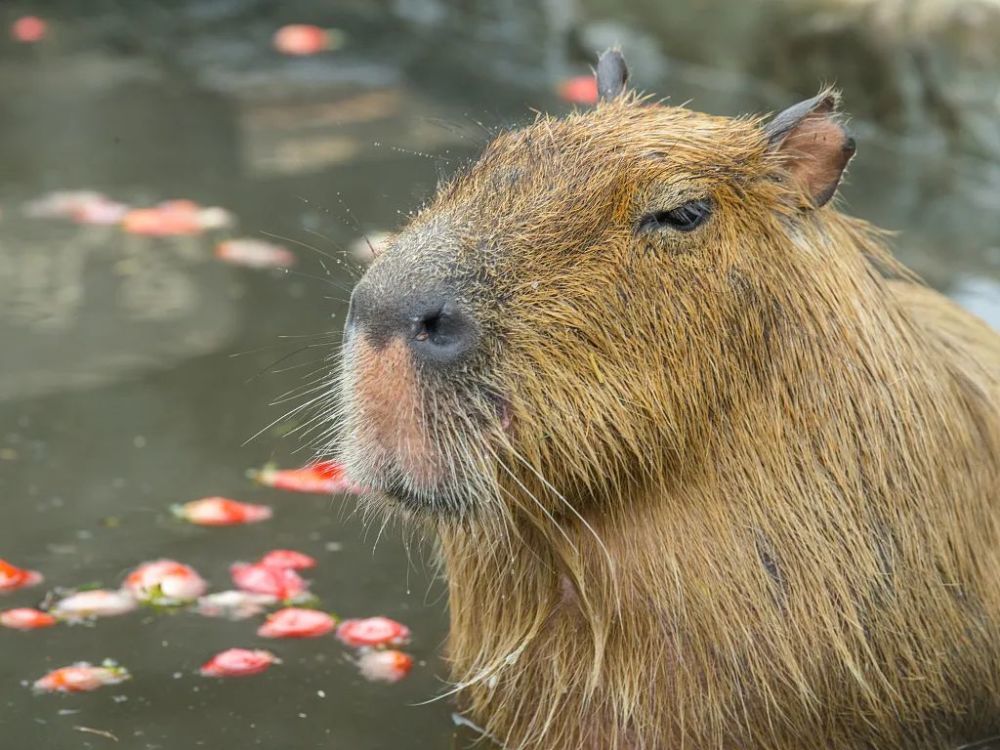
[[591, 287]]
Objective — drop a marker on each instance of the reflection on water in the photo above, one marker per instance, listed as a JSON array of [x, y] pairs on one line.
[[121, 391]]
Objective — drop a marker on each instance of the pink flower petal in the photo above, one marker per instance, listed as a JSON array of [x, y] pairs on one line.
[[238, 662], [294, 622], [373, 631], [254, 253], [283, 583], [95, 603], [81, 677], [384, 666], [26, 619], [162, 221], [301, 39], [579, 90], [62, 204], [29, 29], [221, 511], [165, 582], [100, 213], [287, 558]]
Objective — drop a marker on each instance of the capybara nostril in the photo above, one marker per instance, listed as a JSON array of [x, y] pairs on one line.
[[441, 334], [437, 330]]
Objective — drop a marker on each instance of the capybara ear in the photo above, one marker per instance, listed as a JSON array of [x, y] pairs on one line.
[[814, 143], [612, 74]]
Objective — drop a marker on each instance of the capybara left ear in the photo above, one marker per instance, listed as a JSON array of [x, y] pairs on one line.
[[612, 74], [814, 143]]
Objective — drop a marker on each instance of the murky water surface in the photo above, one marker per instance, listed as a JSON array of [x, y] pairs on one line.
[[135, 369]]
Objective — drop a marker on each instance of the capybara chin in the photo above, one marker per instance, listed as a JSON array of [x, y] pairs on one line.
[[709, 469]]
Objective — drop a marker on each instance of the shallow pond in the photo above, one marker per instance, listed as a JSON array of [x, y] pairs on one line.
[[140, 372]]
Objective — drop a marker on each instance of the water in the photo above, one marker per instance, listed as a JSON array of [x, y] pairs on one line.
[[134, 370]]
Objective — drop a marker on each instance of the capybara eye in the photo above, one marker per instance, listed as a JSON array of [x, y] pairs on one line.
[[684, 218]]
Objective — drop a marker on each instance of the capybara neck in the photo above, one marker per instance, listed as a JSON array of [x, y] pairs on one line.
[[801, 561]]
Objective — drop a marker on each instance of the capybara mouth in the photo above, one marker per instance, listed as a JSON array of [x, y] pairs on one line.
[[423, 443]]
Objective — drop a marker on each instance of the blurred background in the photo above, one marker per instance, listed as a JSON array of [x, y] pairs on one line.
[[143, 344]]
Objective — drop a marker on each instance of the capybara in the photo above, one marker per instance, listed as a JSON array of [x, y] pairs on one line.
[[708, 468]]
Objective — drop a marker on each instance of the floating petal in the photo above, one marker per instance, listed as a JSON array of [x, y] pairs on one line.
[[373, 631], [579, 90], [301, 39], [320, 478], [283, 583], [81, 677], [287, 558], [254, 253], [294, 622], [96, 603], [238, 662], [221, 511], [234, 605], [384, 666], [165, 582], [29, 29], [26, 619], [160, 222], [13, 578]]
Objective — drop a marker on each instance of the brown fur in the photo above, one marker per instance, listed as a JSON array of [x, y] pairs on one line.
[[751, 494]]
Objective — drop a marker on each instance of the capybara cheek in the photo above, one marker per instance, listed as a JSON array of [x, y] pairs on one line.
[[391, 410]]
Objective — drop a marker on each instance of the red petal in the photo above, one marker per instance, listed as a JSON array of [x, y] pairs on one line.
[[81, 677], [294, 622], [323, 478], [26, 619], [179, 207], [385, 666], [238, 662], [221, 511], [579, 90], [29, 29], [254, 253], [329, 469], [160, 222], [287, 558], [166, 582], [301, 39], [13, 578], [373, 631], [283, 583]]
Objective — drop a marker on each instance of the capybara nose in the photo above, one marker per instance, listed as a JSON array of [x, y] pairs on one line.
[[437, 330]]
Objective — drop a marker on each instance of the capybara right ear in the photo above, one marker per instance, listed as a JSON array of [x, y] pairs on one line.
[[814, 144], [612, 74]]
